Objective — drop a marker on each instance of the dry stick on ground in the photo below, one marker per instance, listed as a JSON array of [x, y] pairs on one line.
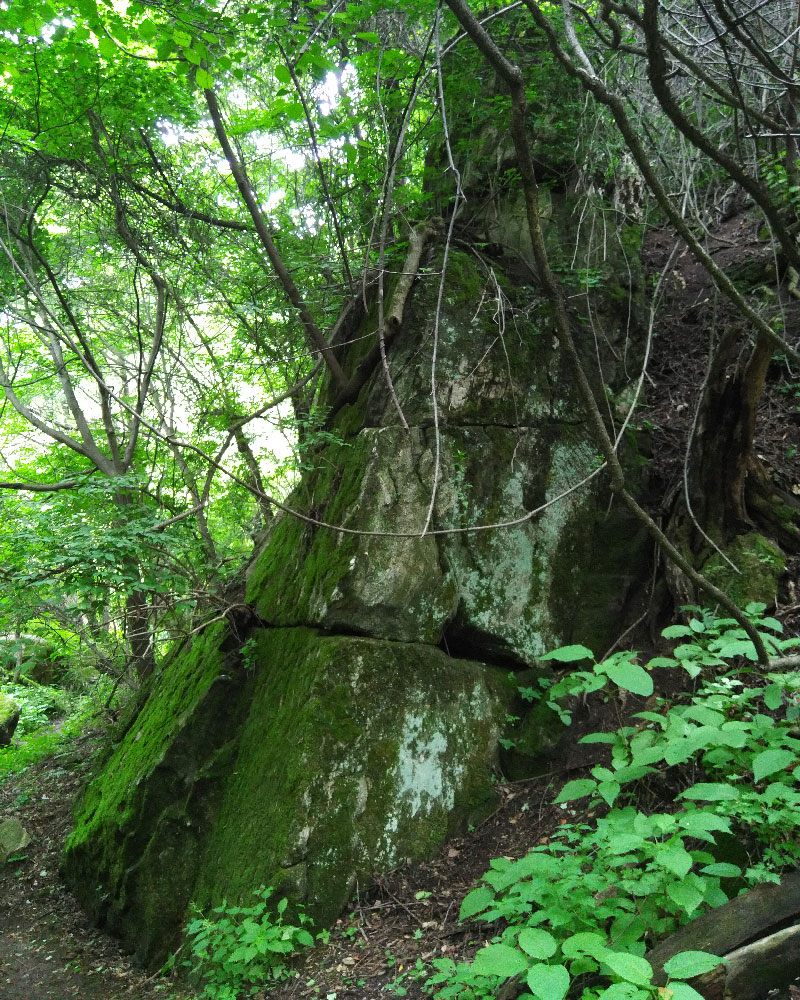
[[514, 80]]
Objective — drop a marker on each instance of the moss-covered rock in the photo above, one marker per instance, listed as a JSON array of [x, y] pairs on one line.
[[9, 717], [350, 756], [133, 855], [425, 561], [759, 565]]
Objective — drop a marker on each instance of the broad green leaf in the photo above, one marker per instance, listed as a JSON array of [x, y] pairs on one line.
[[631, 677], [710, 792], [106, 47], [577, 789], [205, 81], [499, 960], [676, 631], [773, 696], [722, 870], [629, 967], [598, 738], [548, 982], [182, 38], [687, 964], [147, 30], [685, 895], [608, 791], [623, 991], [569, 654], [537, 943], [282, 74], [475, 901], [683, 991], [771, 761], [675, 858], [584, 943]]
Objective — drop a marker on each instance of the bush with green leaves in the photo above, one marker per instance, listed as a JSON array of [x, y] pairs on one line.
[[49, 718], [241, 948], [581, 912]]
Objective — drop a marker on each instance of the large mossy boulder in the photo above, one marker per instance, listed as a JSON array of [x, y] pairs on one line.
[[352, 722], [305, 764]]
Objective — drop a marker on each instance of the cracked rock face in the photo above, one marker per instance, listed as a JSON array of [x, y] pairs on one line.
[[361, 727]]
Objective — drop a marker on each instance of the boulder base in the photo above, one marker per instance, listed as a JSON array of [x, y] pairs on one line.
[[320, 760]]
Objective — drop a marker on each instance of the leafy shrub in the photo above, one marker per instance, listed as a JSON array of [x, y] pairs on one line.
[[244, 947], [37, 736], [582, 910]]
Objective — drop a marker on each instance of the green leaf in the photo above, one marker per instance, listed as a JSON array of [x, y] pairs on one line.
[[662, 661], [147, 30], [499, 960], [569, 654], [675, 858], [699, 821], [676, 631], [577, 789], [106, 47], [687, 964], [537, 943], [773, 696], [683, 991], [710, 792], [622, 991], [475, 901], [609, 790], [598, 738], [182, 38], [685, 895], [282, 74], [722, 870], [629, 967], [205, 81], [548, 982], [368, 36], [771, 761], [631, 677], [584, 943]]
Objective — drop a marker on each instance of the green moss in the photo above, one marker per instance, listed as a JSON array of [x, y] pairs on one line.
[[185, 681], [760, 563], [356, 754], [131, 859], [464, 281]]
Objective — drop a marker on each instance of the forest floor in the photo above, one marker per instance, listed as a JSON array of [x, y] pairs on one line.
[[49, 951]]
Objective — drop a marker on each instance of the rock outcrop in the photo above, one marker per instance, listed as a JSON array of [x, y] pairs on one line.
[[353, 721]]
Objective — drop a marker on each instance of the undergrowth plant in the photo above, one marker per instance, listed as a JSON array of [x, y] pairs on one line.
[[239, 949], [49, 717], [580, 912]]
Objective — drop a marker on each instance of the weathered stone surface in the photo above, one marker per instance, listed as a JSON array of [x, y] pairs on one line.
[[13, 837], [335, 757], [9, 717]]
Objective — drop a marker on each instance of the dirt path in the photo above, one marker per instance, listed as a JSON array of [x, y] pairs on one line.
[[48, 950]]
